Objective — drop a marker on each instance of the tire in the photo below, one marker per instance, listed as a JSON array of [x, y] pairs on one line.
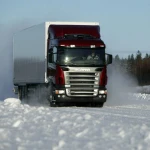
[[22, 93], [51, 96]]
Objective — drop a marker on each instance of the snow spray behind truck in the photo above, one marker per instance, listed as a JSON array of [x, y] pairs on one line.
[[67, 58]]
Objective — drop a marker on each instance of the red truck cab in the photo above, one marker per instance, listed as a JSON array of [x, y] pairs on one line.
[[77, 64]]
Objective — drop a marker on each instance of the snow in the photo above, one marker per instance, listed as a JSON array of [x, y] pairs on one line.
[[123, 123], [113, 127]]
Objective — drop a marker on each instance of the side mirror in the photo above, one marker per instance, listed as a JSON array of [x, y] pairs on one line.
[[108, 59]]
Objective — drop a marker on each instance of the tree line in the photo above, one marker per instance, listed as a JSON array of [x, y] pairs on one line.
[[135, 65]]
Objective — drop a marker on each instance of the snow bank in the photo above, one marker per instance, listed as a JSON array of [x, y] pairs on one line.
[[24, 127], [13, 102]]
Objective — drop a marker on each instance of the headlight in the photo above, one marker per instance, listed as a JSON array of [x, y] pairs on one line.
[[101, 92], [59, 92]]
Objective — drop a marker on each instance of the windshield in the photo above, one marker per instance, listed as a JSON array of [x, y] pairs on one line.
[[81, 56]]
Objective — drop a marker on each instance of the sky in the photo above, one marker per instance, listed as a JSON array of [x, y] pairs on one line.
[[125, 25]]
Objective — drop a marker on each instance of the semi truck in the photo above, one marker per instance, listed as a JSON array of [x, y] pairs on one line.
[[68, 59]]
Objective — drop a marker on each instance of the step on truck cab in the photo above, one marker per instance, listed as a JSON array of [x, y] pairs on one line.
[[67, 58]]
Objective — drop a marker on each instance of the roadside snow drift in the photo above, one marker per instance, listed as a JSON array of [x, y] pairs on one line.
[[24, 127]]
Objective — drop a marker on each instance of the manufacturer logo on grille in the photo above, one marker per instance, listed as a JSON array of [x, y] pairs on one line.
[[82, 69]]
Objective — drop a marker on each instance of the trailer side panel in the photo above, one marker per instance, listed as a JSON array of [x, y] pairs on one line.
[[29, 55]]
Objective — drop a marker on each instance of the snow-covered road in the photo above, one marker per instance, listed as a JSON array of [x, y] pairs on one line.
[[24, 127]]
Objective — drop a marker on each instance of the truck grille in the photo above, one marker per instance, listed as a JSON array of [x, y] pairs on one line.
[[82, 83]]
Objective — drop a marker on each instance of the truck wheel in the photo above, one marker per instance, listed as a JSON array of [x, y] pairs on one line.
[[22, 93], [51, 97], [52, 101], [19, 93]]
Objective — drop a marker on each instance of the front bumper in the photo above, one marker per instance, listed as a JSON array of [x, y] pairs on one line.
[[99, 98], [80, 99]]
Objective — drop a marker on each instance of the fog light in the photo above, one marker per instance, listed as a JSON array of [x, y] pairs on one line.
[[104, 96], [63, 96], [58, 95], [100, 96]]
